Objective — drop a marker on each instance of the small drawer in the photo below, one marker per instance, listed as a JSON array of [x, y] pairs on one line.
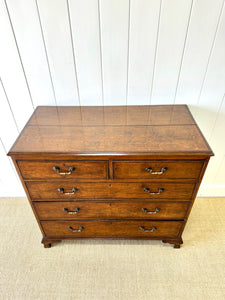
[[157, 169], [73, 169], [111, 210], [143, 229], [68, 190]]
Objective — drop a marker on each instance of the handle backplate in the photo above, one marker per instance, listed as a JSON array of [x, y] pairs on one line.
[[70, 170], [76, 210], [149, 169], [76, 230], [147, 230], [61, 190], [151, 212], [160, 190]]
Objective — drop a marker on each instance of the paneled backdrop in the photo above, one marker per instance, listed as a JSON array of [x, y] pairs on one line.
[[113, 52]]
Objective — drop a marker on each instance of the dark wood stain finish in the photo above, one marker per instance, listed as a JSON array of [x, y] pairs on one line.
[[146, 169], [112, 172], [42, 190], [112, 228], [79, 169], [111, 210], [111, 139]]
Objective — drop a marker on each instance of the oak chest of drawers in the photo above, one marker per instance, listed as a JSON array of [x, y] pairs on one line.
[[111, 172]]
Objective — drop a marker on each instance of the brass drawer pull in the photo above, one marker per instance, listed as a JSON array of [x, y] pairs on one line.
[[148, 230], [160, 190], [71, 212], [76, 230], [70, 170], [150, 212], [61, 190], [148, 169]]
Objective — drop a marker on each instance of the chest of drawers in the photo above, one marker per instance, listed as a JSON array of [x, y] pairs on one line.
[[111, 172]]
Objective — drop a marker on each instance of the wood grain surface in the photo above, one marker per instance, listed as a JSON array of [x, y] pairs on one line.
[[142, 129], [110, 210], [116, 172], [174, 169], [104, 190], [82, 169], [112, 228], [111, 115]]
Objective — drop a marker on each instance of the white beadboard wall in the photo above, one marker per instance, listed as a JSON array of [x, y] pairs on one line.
[[113, 52]]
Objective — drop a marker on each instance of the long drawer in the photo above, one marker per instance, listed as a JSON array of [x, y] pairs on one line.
[[73, 169], [110, 210], [112, 228], [102, 190], [156, 169]]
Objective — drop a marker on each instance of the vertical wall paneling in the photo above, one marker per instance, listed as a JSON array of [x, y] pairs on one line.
[[219, 178], [211, 110], [114, 20], [214, 173], [86, 41], [218, 137], [8, 133], [12, 72], [214, 85], [8, 126], [113, 52], [9, 183], [172, 33], [144, 16], [202, 30], [31, 47], [57, 36], [214, 180]]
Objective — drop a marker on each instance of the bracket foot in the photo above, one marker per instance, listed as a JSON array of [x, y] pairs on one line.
[[177, 242]]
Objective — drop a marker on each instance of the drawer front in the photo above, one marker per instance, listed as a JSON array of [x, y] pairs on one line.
[[146, 229], [64, 169], [157, 169], [101, 190], [110, 210]]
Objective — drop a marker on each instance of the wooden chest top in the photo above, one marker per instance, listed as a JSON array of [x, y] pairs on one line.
[[110, 130], [113, 171]]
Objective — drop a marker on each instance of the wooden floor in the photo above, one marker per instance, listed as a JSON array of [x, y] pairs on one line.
[[103, 269]]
